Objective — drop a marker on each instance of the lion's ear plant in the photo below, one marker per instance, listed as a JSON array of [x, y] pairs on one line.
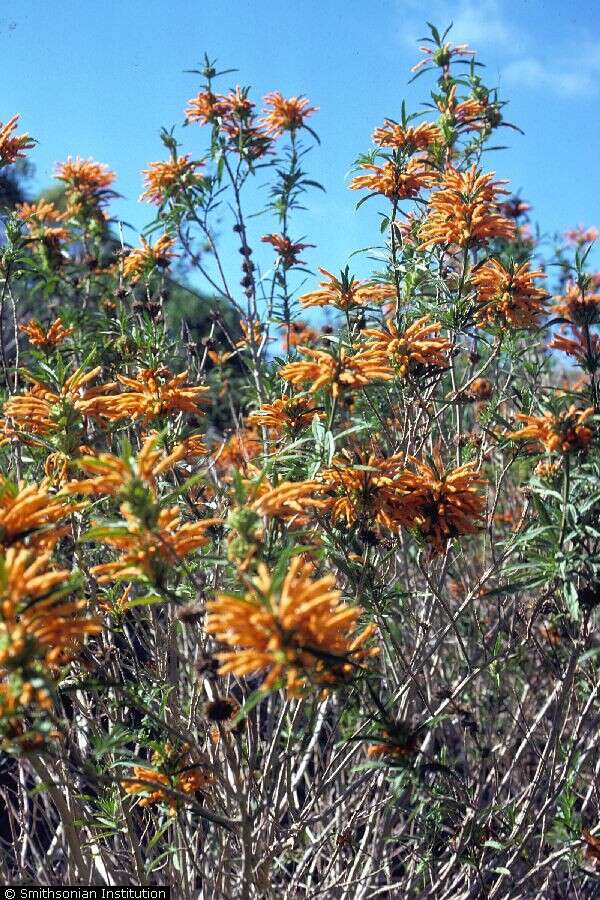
[[300, 571]]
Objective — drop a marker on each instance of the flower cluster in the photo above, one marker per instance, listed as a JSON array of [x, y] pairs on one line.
[[564, 432], [163, 180], [171, 774], [13, 146], [464, 211], [145, 259], [297, 631], [508, 297], [346, 292]]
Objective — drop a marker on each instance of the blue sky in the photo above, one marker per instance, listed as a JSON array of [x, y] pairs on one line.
[[100, 79]]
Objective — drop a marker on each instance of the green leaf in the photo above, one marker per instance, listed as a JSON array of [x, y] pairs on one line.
[[589, 654], [253, 700], [156, 838], [109, 530], [147, 600], [495, 845], [329, 446], [435, 33], [38, 789]]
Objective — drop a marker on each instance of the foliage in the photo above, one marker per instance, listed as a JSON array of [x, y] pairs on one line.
[[294, 606]]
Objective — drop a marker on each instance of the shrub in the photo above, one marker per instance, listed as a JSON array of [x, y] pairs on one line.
[[300, 606]]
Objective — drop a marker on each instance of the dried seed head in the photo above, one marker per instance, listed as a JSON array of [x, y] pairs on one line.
[[206, 666], [221, 709], [193, 612]]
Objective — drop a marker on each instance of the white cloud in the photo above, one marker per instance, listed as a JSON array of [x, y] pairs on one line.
[[534, 75], [571, 70], [475, 22]]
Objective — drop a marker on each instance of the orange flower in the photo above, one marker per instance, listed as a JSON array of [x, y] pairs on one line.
[[247, 140], [393, 181], [239, 104], [514, 207], [470, 114], [290, 413], [509, 296], [85, 175], [36, 622], [42, 218], [298, 631], [149, 779], [443, 504], [152, 393], [464, 211], [29, 515], [190, 448], [335, 372], [56, 467], [582, 235], [43, 411], [170, 772], [113, 475], [579, 307], [238, 451], [288, 251], [418, 345], [480, 389], [347, 292], [163, 179], [547, 469], [298, 333], [87, 184], [13, 145], [400, 745], [220, 357], [289, 499], [366, 490], [285, 115], [148, 552], [252, 333], [207, 108], [233, 115], [193, 779], [409, 138], [46, 340], [34, 412], [587, 354], [143, 260], [565, 432]]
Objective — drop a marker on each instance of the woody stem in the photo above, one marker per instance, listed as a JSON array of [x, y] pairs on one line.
[[565, 498]]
